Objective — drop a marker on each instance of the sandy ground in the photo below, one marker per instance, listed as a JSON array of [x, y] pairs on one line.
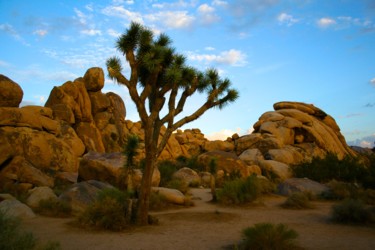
[[208, 226]]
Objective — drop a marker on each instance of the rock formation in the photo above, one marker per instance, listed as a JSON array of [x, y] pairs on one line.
[[83, 130]]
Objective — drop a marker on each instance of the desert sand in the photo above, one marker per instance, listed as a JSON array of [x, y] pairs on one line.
[[210, 226]]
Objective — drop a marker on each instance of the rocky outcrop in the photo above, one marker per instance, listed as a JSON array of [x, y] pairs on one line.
[[12, 207], [10, 92], [294, 185], [293, 133]]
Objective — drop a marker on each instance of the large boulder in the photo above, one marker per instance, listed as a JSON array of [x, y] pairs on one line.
[[94, 79], [187, 175], [43, 150], [10, 92], [108, 167], [81, 195], [20, 170], [228, 162], [173, 196], [294, 185], [104, 167], [12, 207], [275, 169], [90, 136], [36, 195]]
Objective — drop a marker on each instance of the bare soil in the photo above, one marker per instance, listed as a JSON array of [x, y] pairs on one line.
[[209, 226]]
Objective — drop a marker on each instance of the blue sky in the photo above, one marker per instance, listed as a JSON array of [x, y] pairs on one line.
[[314, 51]]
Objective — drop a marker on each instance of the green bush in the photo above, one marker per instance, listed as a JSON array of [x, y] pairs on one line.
[[351, 212], [13, 238], [242, 191], [179, 185], [339, 190], [109, 211], [54, 208], [325, 169], [167, 169], [266, 236], [157, 202], [298, 200]]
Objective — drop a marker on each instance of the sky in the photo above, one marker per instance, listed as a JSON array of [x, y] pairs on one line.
[[314, 51]]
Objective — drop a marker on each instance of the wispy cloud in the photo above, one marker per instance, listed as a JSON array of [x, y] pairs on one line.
[[326, 22], [207, 14], [364, 142], [172, 19], [41, 32], [372, 81], [91, 32], [231, 57], [286, 19], [9, 29], [350, 115], [121, 12], [370, 105]]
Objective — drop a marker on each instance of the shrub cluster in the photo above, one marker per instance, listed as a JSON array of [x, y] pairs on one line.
[[348, 169], [299, 200], [352, 211], [12, 237], [264, 236], [54, 208], [110, 211], [241, 191]]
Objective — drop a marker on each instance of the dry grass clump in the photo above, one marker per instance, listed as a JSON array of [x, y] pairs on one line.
[[266, 236], [299, 200], [352, 212], [242, 191], [54, 208], [12, 237]]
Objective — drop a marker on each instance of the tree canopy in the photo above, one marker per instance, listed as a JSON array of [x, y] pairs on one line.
[[159, 78]]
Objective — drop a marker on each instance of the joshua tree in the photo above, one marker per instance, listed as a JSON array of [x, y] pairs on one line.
[[160, 79], [130, 151]]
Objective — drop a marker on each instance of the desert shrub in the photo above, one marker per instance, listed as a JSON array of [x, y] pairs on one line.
[[298, 200], [109, 211], [54, 208], [13, 238], [339, 190], [167, 169], [179, 185], [265, 236], [240, 191], [157, 202], [351, 212], [349, 169]]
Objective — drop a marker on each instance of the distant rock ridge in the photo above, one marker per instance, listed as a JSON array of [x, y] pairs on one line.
[[40, 146]]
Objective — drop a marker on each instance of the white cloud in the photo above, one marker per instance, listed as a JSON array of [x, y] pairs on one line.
[[175, 5], [82, 18], [4, 64], [209, 48], [365, 142], [326, 22], [205, 8], [207, 14], [230, 57], [286, 19], [7, 28], [91, 32], [225, 133], [219, 3], [173, 19], [113, 33], [372, 81], [220, 135], [121, 12], [40, 32], [89, 7]]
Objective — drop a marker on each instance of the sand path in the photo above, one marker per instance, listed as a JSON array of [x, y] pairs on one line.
[[208, 226]]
